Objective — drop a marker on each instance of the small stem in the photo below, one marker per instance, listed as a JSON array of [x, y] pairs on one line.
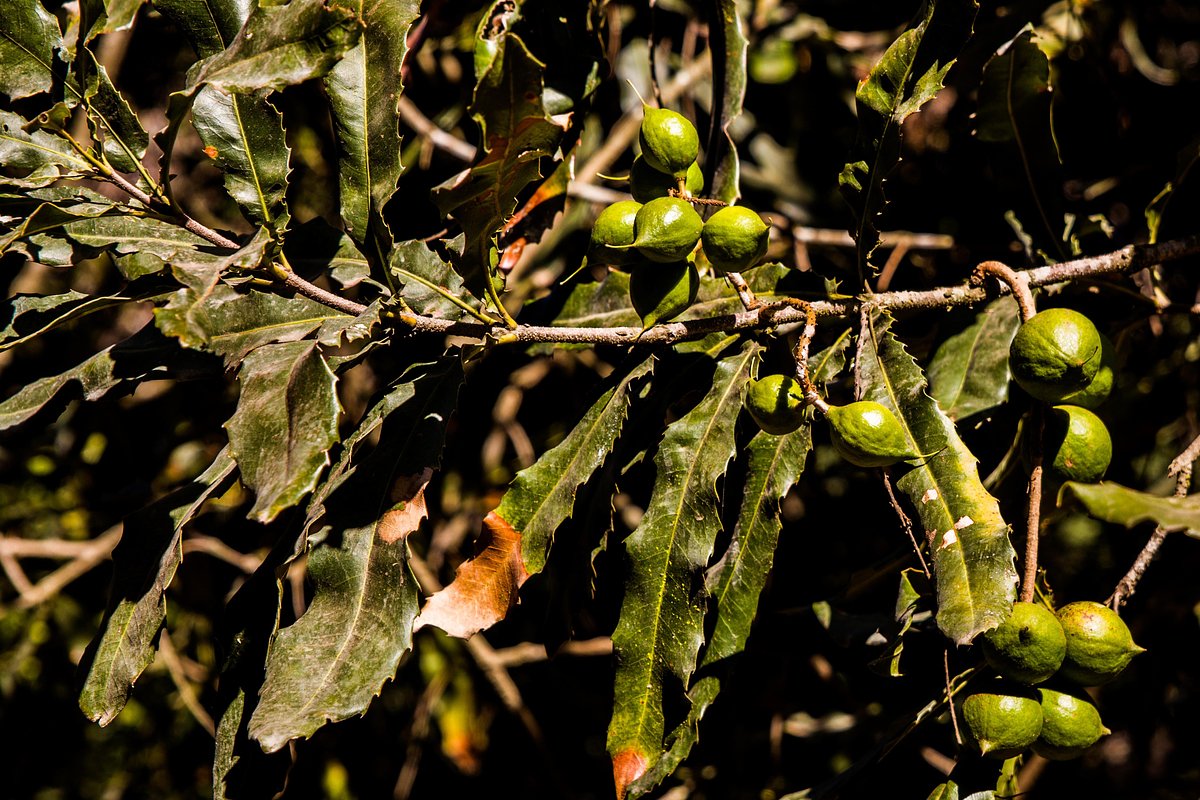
[[1181, 468], [1018, 284], [811, 395], [905, 522], [494, 296], [744, 292], [1034, 510], [950, 695]]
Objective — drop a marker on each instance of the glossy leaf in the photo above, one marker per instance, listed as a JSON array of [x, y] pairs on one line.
[[363, 89], [735, 582], [429, 283], [661, 626], [144, 562], [285, 423], [517, 132], [908, 76], [729, 82], [279, 46], [335, 658], [1015, 118], [134, 234], [29, 36], [1112, 502], [973, 559], [42, 156], [244, 137], [29, 316], [112, 121], [229, 321], [968, 373], [542, 496]]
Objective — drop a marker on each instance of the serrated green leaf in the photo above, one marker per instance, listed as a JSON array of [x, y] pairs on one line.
[[41, 157], [144, 562], [908, 76], [542, 496], [517, 132], [972, 556], [279, 46], [214, 316], [244, 137], [53, 215], [111, 120], [968, 373], [729, 75], [661, 626], [430, 284], [363, 90], [29, 36], [143, 356], [29, 316], [1015, 117], [285, 423], [735, 583], [134, 234], [1118, 504], [335, 659]]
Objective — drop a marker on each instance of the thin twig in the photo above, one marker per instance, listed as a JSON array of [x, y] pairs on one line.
[[43, 548], [1181, 469], [425, 128], [101, 548], [744, 292], [1033, 515], [905, 522], [16, 575], [950, 694], [1017, 284], [532, 652], [284, 272], [214, 547], [170, 657]]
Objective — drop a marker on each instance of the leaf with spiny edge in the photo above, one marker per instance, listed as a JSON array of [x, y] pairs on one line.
[[661, 624], [973, 558], [907, 76]]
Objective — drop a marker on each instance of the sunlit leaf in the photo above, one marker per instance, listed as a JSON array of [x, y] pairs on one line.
[[735, 582], [285, 423], [661, 627], [517, 132], [972, 557], [1112, 502], [144, 563], [542, 496], [363, 89], [29, 35], [968, 373], [908, 76], [429, 283], [112, 121], [40, 157], [729, 75]]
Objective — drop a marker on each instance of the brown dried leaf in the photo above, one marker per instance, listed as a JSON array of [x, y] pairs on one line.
[[484, 588], [408, 507]]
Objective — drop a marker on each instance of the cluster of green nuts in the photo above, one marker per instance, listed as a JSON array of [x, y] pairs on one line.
[[1084, 644], [655, 235], [1060, 358]]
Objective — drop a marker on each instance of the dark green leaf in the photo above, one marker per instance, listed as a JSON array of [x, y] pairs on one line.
[[144, 562], [316, 248], [1112, 502], [112, 121], [143, 356], [53, 215], [39, 157], [729, 88], [908, 76], [1015, 118], [661, 626], [244, 136], [430, 284], [28, 316], [542, 495], [29, 35], [280, 45], [968, 373], [210, 26], [133, 234], [972, 556], [736, 581], [363, 90], [334, 660], [517, 132], [284, 425], [211, 315]]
